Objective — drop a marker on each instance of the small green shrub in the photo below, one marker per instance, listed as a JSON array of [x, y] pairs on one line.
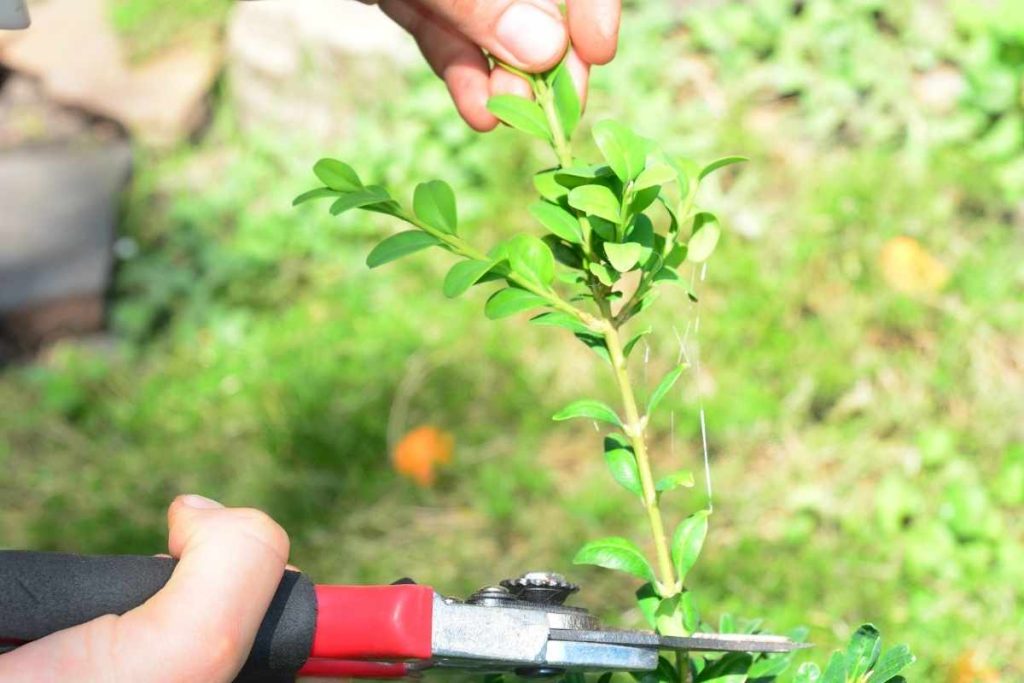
[[616, 232]]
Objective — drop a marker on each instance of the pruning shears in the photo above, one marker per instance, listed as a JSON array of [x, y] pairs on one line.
[[520, 626]]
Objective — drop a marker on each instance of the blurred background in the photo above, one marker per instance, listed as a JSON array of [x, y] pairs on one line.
[[170, 323]]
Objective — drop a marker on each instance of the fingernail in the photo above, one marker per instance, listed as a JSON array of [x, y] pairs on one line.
[[530, 34], [199, 502]]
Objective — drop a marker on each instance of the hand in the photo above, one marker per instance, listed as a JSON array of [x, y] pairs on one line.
[[530, 35], [199, 627]]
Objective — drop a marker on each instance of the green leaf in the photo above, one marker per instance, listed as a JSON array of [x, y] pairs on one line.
[[835, 672], [624, 150], [588, 408], [399, 245], [618, 455], [618, 554], [768, 667], [647, 599], [628, 348], [434, 204], [464, 275], [669, 617], [548, 187], [729, 668], [570, 255], [337, 175], [596, 200], [807, 673], [687, 174], [606, 230], [318, 193], [720, 163], [567, 101], [520, 113], [560, 319], [704, 239], [667, 274], [675, 480], [691, 615], [558, 221], [863, 650], [799, 634], [891, 663], [606, 677], [603, 275], [573, 176], [655, 175], [596, 344], [531, 259], [666, 384], [665, 673], [641, 231], [688, 541], [511, 300], [647, 300], [643, 199], [388, 207], [360, 198], [624, 257], [676, 257]]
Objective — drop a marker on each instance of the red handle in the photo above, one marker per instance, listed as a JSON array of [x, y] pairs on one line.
[[335, 668], [389, 623]]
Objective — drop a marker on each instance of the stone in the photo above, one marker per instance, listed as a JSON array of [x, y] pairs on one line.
[[58, 209], [29, 117], [75, 53], [312, 65]]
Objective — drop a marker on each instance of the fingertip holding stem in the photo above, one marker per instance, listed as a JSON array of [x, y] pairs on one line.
[[470, 89], [532, 35], [594, 26]]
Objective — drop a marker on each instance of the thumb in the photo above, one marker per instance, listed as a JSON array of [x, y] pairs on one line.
[[527, 34], [199, 627]]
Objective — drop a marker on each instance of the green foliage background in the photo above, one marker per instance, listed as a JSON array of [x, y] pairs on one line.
[[867, 446]]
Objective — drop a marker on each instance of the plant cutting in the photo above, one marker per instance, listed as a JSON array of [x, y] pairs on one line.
[[615, 233]]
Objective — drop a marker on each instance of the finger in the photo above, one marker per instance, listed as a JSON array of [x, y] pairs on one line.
[[504, 82], [527, 34], [199, 627], [580, 72], [594, 28], [453, 58]]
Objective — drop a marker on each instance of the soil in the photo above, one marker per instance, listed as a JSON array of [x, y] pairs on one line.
[[28, 117]]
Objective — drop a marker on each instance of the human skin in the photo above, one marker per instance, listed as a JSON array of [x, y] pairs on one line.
[[530, 35], [199, 627]]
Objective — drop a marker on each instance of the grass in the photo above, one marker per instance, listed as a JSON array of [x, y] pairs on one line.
[[866, 444], [149, 26]]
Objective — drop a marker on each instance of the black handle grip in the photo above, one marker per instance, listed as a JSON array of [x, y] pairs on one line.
[[41, 593]]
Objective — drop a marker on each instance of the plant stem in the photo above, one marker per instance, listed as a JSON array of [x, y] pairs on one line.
[[636, 426], [463, 248], [559, 140]]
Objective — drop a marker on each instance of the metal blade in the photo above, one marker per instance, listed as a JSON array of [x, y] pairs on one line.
[[700, 642]]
